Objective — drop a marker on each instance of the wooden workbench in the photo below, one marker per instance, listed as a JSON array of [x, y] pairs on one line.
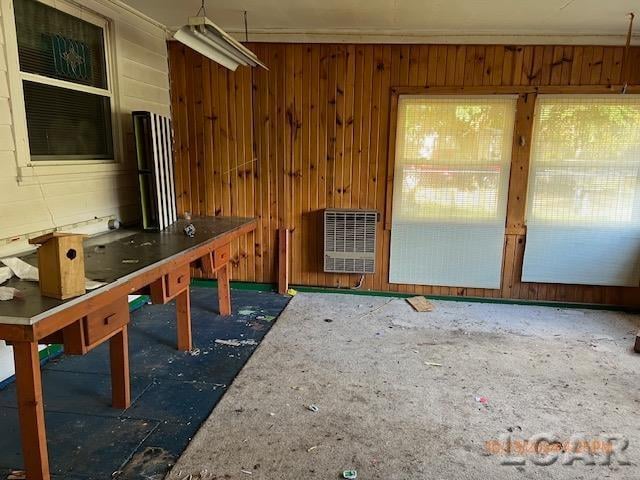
[[129, 262]]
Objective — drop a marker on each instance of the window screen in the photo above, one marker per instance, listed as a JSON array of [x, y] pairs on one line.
[[583, 212], [450, 189], [64, 76]]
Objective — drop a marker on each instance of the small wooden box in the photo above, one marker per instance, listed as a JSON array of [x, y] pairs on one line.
[[61, 264]]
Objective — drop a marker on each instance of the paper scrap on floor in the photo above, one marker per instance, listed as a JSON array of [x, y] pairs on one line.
[[25, 271]]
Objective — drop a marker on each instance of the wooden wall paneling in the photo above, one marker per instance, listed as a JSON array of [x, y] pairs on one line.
[[519, 173], [567, 62], [305, 142], [276, 154], [297, 175], [382, 152], [555, 69], [313, 213], [192, 62], [207, 139], [576, 65], [199, 147], [247, 171], [321, 117], [257, 120]]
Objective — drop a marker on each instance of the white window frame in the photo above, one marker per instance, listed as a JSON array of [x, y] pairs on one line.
[[32, 171]]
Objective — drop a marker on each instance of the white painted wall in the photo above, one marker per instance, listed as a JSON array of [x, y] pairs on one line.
[[76, 197]]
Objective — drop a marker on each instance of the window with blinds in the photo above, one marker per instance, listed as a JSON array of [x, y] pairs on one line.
[[583, 204], [450, 189], [67, 95]]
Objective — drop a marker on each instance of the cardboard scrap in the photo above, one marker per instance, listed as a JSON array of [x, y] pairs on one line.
[[420, 304]]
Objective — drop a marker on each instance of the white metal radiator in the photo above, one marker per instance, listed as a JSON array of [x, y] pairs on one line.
[[154, 151]]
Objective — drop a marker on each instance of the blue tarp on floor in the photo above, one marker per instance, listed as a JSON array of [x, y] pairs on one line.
[[172, 392]]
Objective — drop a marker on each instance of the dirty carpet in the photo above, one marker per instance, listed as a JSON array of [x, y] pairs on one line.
[[402, 395]]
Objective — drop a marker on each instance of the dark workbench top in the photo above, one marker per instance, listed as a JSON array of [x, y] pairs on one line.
[[115, 257]]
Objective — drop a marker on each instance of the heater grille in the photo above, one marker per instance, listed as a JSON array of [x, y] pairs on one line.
[[350, 240]]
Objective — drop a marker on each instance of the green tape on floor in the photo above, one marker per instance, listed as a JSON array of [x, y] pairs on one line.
[[250, 286], [270, 287], [50, 351]]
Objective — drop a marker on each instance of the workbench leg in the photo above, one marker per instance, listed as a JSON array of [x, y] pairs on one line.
[[183, 313], [224, 291], [31, 410], [120, 378]]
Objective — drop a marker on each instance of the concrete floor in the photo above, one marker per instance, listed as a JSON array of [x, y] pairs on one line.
[[388, 412]]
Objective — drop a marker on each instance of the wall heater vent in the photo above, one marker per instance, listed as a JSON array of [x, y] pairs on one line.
[[350, 240], [154, 151]]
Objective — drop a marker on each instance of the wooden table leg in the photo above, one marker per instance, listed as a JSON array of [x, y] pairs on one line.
[[183, 313], [120, 378], [224, 291], [31, 410]]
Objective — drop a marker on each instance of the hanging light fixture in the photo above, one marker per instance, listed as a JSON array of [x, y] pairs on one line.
[[206, 38]]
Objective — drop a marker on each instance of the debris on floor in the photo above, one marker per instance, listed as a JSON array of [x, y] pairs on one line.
[[130, 260], [292, 292], [17, 475], [433, 364], [313, 408], [420, 304], [350, 474], [236, 343], [482, 400], [152, 463]]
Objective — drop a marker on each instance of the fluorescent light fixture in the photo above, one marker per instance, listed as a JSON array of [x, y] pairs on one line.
[[206, 38]]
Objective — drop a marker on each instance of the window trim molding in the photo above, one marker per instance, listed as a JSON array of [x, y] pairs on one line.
[[26, 167]]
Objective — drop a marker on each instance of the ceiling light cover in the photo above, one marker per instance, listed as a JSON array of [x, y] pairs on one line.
[[206, 38]]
